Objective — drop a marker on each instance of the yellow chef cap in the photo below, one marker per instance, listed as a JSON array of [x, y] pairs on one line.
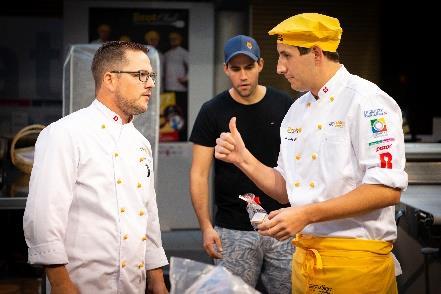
[[309, 29]]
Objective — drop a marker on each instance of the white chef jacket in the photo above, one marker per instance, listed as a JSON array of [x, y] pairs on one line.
[[351, 135], [92, 203], [176, 66]]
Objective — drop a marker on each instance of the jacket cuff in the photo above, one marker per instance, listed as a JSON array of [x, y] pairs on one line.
[[155, 258], [391, 178], [46, 254]]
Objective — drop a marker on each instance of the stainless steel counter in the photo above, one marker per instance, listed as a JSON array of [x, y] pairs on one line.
[[423, 151]]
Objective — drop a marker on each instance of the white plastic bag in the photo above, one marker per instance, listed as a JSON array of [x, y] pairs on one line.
[[192, 277]]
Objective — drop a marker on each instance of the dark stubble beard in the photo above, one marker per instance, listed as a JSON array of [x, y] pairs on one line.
[[247, 93], [129, 107]]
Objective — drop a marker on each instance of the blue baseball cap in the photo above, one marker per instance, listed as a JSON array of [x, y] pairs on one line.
[[241, 44]]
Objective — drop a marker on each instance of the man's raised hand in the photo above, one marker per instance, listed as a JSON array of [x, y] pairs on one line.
[[229, 145]]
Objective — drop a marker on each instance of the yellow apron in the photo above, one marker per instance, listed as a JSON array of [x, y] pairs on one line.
[[342, 265]]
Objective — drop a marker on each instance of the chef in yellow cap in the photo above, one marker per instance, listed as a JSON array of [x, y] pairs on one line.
[[341, 166]]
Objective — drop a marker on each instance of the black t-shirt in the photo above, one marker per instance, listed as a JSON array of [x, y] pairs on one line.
[[259, 126]]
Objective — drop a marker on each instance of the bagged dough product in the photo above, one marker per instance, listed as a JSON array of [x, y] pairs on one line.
[[256, 213]]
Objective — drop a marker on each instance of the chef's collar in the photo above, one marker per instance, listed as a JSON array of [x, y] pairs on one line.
[[333, 83], [109, 113]]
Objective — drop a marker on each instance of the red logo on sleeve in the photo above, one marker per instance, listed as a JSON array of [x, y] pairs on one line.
[[384, 147], [386, 160]]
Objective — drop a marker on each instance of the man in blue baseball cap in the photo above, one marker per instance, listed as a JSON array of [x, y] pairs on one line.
[[241, 45], [232, 242]]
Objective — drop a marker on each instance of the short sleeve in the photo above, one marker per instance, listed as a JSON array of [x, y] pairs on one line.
[[204, 128], [378, 140]]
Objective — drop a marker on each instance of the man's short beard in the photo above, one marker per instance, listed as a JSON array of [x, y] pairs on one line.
[[249, 93], [128, 108]]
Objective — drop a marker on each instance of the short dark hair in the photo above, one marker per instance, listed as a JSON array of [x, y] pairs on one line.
[[110, 56], [333, 56]]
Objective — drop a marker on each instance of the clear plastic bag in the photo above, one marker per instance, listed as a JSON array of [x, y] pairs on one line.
[[256, 213], [192, 277]]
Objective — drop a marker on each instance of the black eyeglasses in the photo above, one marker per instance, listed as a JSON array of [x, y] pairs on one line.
[[143, 75]]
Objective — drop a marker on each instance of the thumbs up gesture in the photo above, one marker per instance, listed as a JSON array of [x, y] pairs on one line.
[[230, 146]]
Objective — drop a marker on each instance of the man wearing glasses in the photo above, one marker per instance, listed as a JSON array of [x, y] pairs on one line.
[[91, 217]]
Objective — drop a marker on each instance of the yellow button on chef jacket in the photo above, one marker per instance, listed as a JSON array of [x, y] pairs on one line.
[[351, 135], [84, 203]]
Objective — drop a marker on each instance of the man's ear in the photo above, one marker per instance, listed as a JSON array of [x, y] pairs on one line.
[[226, 69], [318, 53], [109, 81]]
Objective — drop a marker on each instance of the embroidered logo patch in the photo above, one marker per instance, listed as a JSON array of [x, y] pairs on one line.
[[384, 147], [290, 139], [378, 125], [146, 163], [381, 141], [374, 112], [386, 160], [294, 130], [337, 124]]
